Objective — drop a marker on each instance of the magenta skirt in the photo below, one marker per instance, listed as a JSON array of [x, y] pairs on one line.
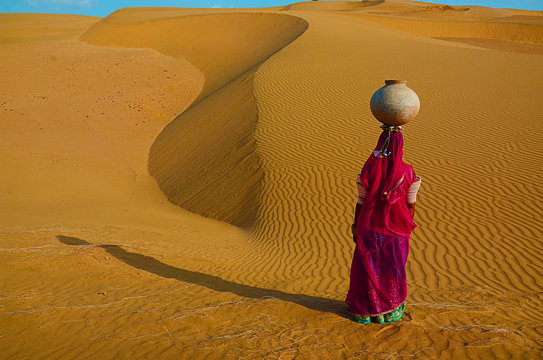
[[378, 280]]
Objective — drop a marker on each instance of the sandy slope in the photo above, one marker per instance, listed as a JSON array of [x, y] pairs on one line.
[[98, 264], [225, 146], [40, 27], [476, 235]]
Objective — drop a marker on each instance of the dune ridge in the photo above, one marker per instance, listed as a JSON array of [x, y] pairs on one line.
[[217, 174], [221, 59], [329, 5], [99, 262]]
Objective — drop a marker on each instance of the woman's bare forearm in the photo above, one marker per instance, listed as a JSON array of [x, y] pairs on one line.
[[411, 208]]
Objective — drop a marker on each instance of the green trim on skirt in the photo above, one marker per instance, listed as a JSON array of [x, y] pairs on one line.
[[394, 315]]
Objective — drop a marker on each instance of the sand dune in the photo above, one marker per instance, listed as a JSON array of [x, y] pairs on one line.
[[328, 5], [260, 118], [245, 41], [216, 174], [466, 228], [466, 29], [192, 171], [40, 27], [499, 29]]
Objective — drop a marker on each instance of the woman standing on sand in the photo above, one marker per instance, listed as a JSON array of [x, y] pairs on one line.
[[387, 190]]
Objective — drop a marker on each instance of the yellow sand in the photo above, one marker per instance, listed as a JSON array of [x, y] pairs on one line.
[[257, 121]]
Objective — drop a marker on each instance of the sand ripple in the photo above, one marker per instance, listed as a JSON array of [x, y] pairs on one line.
[[273, 143]]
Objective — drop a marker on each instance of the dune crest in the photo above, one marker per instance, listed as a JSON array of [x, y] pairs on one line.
[[217, 174], [245, 40], [329, 5]]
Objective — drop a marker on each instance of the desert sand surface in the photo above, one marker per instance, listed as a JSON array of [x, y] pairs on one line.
[[180, 183]]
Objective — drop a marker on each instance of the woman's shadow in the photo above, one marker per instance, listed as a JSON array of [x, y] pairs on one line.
[[152, 265]]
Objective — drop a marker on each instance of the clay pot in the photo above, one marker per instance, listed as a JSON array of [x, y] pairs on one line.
[[395, 104]]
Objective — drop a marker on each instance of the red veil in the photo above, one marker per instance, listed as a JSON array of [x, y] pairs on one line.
[[386, 180]]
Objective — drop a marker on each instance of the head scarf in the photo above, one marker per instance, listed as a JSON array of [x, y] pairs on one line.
[[386, 180]]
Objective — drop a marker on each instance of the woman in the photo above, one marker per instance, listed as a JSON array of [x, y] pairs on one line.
[[387, 189]]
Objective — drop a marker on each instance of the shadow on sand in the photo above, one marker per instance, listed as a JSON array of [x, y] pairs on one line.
[[152, 265]]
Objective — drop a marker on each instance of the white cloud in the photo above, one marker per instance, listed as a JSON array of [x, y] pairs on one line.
[[80, 3]]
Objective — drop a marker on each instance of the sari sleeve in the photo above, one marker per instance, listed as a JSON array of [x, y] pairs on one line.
[[413, 190]]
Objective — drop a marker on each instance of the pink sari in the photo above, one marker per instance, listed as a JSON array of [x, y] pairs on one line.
[[378, 279]]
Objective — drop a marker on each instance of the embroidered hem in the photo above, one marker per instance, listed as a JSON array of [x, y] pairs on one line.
[[392, 316], [379, 314]]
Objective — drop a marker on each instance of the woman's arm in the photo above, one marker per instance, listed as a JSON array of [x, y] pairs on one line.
[[412, 195], [353, 226], [411, 208]]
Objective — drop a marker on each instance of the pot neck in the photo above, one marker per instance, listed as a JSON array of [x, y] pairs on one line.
[[395, 82]]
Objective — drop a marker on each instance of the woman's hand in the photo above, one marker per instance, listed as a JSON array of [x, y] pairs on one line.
[[411, 208]]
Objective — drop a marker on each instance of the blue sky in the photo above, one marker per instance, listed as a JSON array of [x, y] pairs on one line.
[[104, 7]]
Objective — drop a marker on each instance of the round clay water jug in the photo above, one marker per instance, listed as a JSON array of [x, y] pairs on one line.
[[395, 104]]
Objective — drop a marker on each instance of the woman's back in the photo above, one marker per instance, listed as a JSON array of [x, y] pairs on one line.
[[386, 181]]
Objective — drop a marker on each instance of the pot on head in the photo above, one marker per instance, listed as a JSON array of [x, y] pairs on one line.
[[395, 104]]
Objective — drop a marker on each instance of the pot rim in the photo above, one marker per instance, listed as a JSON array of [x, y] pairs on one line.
[[392, 82]]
